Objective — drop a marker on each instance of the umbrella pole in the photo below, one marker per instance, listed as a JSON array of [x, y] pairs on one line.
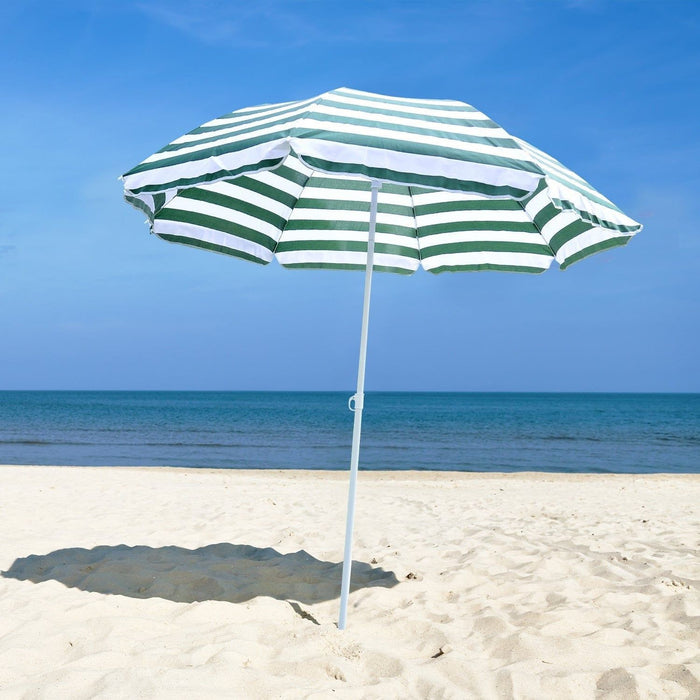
[[358, 400]]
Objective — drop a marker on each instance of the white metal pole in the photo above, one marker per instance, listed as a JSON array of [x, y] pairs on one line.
[[358, 399]]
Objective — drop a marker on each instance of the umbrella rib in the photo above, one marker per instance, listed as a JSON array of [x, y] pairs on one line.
[[522, 204], [301, 191], [415, 227]]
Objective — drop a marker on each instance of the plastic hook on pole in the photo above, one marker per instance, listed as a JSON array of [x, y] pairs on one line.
[[356, 404]]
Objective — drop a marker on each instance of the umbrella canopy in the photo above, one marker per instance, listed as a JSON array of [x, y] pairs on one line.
[[354, 180], [263, 182]]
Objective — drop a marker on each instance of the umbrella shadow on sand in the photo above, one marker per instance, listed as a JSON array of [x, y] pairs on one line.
[[229, 572]]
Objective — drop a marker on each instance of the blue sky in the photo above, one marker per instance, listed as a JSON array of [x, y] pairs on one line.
[[88, 300]]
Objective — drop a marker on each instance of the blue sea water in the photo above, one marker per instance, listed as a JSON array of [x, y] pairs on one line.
[[630, 433]]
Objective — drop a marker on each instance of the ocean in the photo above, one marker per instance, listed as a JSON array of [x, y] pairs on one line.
[[626, 433]]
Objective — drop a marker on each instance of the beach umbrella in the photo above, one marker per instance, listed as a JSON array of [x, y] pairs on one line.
[[355, 180]]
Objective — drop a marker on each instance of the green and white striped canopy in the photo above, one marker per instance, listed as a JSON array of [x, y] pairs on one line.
[[292, 181]]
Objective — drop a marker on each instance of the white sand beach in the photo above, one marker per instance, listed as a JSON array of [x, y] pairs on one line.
[[174, 583]]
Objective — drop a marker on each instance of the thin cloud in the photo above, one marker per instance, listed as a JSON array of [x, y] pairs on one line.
[[295, 23]]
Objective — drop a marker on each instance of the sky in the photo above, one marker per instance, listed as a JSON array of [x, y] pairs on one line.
[[90, 300]]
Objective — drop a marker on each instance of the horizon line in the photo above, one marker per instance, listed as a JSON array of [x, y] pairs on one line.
[[344, 391]]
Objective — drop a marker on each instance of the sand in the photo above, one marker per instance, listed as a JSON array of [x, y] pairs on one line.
[[172, 583]]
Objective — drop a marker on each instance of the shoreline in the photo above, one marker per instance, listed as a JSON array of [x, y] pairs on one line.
[[172, 582], [379, 473]]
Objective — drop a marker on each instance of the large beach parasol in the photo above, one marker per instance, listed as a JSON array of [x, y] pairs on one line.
[[355, 180]]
